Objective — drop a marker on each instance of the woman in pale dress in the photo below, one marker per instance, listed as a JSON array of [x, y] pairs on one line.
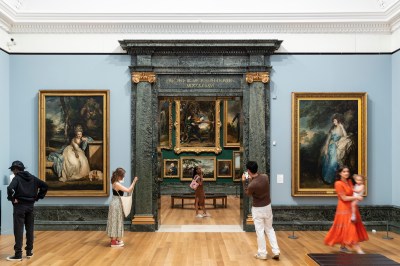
[[115, 221], [75, 164]]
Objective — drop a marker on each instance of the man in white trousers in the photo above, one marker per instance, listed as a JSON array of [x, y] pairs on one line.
[[257, 186]]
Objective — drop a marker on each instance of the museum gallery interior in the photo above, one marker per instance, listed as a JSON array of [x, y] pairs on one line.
[[301, 87]]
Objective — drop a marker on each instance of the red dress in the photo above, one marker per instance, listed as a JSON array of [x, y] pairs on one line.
[[343, 230]]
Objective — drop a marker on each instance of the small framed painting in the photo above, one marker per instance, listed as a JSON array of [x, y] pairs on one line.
[[224, 168], [207, 164], [232, 122], [237, 166], [165, 124], [171, 168]]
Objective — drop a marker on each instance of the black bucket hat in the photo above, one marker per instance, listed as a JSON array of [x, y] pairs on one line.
[[17, 164]]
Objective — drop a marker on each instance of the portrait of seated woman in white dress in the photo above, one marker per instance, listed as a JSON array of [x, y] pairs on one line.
[[76, 164], [71, 163]]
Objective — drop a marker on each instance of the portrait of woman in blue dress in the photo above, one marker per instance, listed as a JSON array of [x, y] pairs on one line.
[[337, 146]]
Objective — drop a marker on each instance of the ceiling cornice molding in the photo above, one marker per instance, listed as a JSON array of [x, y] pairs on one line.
[[200, 28], [395, 24], [4, 25], [7, 14], [393, 14], [204, 17], [13, 20]]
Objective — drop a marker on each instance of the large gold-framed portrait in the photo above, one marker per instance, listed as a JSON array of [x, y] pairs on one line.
[[329, 130], [73, 142], [197, 124]]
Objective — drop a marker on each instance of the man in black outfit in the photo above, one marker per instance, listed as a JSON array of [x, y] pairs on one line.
[[23, 191]]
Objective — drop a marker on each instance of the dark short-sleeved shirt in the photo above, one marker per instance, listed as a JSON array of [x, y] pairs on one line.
[[259, 190]]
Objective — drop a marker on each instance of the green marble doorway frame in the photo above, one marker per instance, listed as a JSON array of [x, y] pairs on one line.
[[200, 68]]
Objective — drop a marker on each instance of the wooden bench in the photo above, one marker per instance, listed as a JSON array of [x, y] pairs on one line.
[[213, 196]]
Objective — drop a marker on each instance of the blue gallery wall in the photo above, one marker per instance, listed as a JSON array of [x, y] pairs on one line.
[[291, 73], [332, 73], [395, 155], [5, 107], [31, 73], [4, 117]]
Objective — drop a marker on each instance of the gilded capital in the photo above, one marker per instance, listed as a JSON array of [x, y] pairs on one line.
[[257, 76], [143, 77]]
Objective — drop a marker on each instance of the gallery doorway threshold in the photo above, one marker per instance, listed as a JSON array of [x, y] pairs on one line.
[[189, 228]]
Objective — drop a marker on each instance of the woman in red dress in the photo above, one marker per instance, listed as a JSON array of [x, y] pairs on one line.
[[344, 231]]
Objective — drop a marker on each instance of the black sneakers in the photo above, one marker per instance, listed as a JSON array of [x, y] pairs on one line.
[[14, 258], [29, 254]]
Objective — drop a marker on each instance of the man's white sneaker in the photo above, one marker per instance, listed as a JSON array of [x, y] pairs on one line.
[[260, 257], [199, 216]]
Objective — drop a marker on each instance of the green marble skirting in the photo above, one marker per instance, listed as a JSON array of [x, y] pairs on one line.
[[286, 218]]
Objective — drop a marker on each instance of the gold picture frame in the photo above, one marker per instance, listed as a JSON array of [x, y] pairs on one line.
[[328, 130], [171, 168], [207, 164], [224, 168], [232, 122], [165, 124], [74, 142], [197, 125]]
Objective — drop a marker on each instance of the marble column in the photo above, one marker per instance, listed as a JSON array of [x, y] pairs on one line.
[[256, 102], [257, 119], [142, 151]]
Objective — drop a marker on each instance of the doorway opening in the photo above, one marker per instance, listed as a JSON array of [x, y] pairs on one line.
[[206, 132]]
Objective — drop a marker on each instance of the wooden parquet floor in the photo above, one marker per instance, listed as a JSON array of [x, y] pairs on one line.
[[170, 248]]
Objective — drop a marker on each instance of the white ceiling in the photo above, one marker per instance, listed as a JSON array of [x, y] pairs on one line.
[[15, 15], [90, 26], [204, 6]]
